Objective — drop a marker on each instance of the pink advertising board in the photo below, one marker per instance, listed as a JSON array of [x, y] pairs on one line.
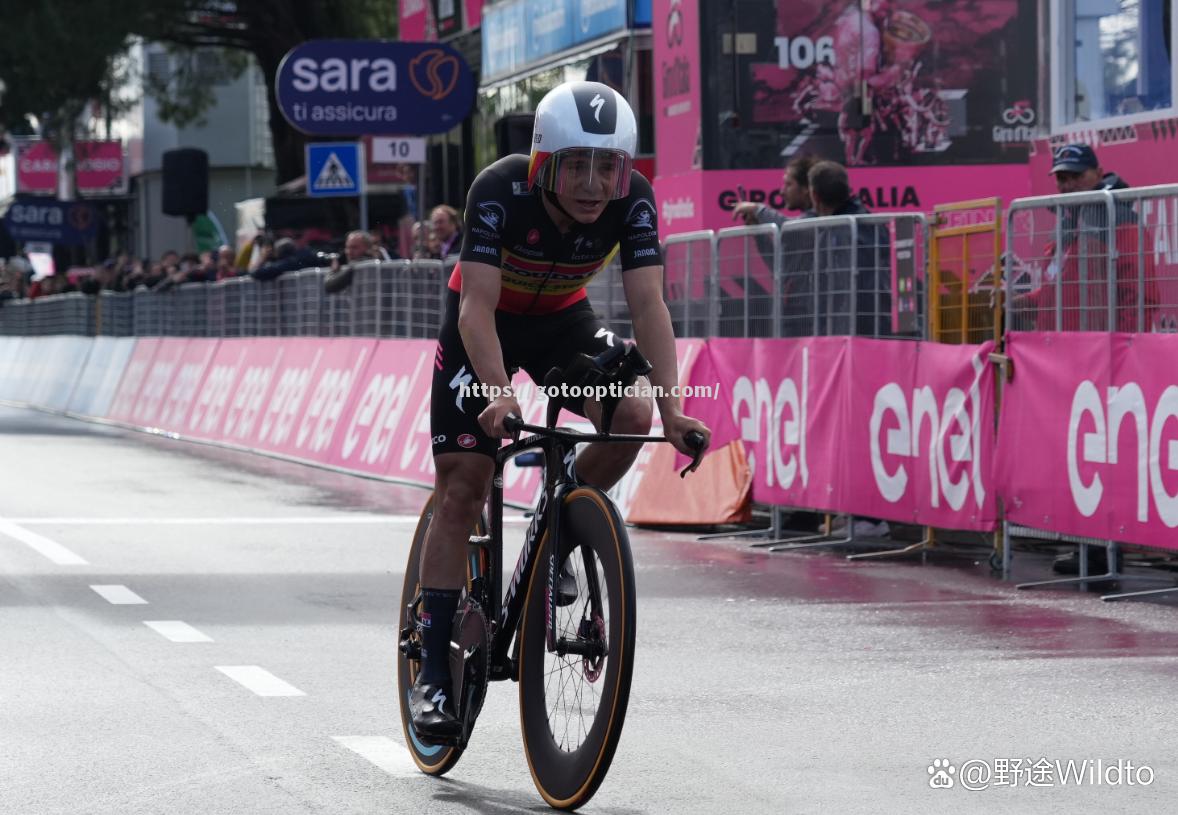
[[150, 402], [127, 395], [884, 428], [317, 383], [1089, 436], [919, 434], [384, 428], [678, 138], [233, 393], [36, 167], [191, 368]]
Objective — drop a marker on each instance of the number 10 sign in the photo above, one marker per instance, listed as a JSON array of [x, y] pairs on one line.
[[398, 150]]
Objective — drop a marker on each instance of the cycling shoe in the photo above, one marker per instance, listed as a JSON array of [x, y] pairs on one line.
[[433, 713]]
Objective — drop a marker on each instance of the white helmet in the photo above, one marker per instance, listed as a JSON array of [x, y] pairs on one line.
[[584, 140]]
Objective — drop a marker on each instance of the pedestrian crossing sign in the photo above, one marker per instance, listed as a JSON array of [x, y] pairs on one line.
[[333, 168]]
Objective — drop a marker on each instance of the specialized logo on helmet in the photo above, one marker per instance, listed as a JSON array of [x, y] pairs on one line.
[[492, 214], [434, 73], [598, 112]]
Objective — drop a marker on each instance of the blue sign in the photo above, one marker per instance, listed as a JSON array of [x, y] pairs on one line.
[[333, 169], [503, 31], [550, 27], [596, 18], [642, 12], [374, 87], [67, 223]]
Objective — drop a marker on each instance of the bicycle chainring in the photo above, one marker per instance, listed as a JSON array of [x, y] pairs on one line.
[[470, 662]]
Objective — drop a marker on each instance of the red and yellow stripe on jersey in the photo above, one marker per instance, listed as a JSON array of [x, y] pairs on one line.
[[536, 287]]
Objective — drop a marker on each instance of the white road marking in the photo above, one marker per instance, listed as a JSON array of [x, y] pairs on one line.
[[119, 596], [391, 756], [51, 549], [327, 519], [177, 631], [259, 680]]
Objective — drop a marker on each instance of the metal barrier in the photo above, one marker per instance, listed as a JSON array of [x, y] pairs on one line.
[[689, 283], [965, 272], [748, 281]]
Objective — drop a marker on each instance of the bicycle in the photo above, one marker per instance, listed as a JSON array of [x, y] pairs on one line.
[[566, 656]]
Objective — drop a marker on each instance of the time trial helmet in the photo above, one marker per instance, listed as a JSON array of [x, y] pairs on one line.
[[583, 141]]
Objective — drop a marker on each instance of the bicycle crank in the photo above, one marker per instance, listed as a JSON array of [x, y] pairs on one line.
[[470, 665]]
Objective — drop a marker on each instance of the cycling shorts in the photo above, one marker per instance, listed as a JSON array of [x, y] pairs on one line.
[[536, 343]]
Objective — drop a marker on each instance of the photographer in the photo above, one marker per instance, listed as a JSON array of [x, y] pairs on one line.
[[358, 247]]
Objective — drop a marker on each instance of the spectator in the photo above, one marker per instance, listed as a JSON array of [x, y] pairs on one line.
[[868, 314], [288, 258], [1077, 267], [797, 246], [358, 247], [447, 229], [226, 266], [795, 190]]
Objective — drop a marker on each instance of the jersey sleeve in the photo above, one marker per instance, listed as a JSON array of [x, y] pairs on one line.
[[640, 229], [486, 218]]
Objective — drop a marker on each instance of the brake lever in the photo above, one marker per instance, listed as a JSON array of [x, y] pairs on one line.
[[698, 443], [513, 424]]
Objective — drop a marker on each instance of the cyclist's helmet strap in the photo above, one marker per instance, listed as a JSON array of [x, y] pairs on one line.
[[581, 115]]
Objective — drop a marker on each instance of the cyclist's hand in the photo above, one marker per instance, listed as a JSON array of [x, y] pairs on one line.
[[746, 211], [677, 426], [491, 419]]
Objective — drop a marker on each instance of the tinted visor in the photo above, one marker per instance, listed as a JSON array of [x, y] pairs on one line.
[[587, 172]]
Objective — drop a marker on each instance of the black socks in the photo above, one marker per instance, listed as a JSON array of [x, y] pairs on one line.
[[435, 620]]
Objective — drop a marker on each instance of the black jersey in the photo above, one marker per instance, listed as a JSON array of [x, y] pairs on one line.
[[544, 270]]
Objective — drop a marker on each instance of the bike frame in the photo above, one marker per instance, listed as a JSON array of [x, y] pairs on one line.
[[559, 447]]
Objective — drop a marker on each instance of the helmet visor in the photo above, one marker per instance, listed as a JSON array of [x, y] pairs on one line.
[[594, 173]]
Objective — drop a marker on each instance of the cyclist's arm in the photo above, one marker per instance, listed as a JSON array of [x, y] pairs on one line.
[[476, 322], [652, 330]]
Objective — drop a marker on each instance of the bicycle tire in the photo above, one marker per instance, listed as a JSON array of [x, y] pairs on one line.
[[568, 775], [430, 759]]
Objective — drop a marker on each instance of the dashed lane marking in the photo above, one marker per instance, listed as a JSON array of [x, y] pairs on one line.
[[259, 680], [177, 631], [391, 756], [119, 596]]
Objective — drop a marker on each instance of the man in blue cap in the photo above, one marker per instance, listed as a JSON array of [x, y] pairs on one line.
[[1076, 170]]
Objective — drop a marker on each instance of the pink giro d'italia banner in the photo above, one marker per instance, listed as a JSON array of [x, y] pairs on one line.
[[1089, 436], [134, 375], [884, 428]]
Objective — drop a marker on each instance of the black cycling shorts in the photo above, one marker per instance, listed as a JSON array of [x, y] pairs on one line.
[[536, 343]]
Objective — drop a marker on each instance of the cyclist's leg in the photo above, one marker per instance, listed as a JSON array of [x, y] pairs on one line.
[[463, 463], [603, 465]]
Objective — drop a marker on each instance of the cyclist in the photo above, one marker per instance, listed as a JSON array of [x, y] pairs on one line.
[[538, 229]]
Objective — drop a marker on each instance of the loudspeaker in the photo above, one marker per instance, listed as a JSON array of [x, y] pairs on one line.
[[513, 133], [186, 182]]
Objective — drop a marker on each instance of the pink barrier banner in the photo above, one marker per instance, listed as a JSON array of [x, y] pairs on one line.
[[384, 427], [318, 382], [919, 434], [883, 428], [127, 395], [784, 399], [147, 408], [1089, 436], [233, 394], [190, 373]]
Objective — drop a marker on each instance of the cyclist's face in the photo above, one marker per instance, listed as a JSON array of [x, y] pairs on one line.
[[588, 180]]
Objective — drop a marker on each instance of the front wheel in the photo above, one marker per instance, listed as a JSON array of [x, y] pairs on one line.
[[572, 707], [431, 759]]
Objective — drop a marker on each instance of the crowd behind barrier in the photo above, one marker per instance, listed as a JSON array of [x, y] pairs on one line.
[[1094, 262]]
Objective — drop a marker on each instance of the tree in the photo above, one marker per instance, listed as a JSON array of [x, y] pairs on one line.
[[60, 55]]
